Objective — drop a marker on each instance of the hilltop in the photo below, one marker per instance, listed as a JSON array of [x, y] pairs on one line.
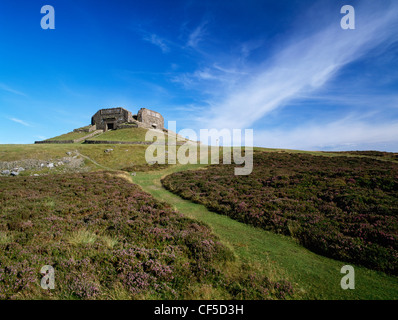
[[117, 126]]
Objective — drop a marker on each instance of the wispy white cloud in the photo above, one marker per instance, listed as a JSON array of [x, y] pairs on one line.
[[229, 70], [248, 47], [214, 74], [20, 122], [197, 35], [11, 90], [303, 66], [157, 41]]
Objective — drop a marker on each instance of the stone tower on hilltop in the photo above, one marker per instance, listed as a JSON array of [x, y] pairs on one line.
[[117, 118], [150, 118]]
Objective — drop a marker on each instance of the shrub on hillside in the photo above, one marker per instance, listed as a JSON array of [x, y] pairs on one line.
[[344, 208], [105, 238]]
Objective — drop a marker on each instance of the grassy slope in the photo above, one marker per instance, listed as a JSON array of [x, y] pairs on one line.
[[316, 276], [70, 136], [121, 156], [128, 134]]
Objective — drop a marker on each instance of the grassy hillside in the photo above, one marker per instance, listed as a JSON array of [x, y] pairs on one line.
[[121, 156], [129, 157], [128, 134], [70, 136]]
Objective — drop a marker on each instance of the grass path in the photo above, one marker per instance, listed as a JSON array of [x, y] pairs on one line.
[[317, 277]]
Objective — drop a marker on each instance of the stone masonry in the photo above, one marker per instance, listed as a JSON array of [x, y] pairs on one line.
[[116, 118], [109, 119], [150, 118]]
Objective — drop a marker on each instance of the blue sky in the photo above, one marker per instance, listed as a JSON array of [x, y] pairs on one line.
[[283, 68]]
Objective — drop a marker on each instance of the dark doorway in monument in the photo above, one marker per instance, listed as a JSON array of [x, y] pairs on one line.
[[110, 126]]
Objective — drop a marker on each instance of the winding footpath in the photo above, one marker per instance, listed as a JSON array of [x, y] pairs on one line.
[[315, 276], [280, 257]]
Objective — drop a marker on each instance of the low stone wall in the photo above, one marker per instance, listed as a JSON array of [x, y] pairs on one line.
[[127, 125], [116, 142], [127, 142], [54, 141]]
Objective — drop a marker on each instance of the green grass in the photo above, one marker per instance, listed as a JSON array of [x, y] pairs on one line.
[[15, 152], [121, 156], [70, 136], [5, 237], [128, 134], [317, 277], [82, 237]]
